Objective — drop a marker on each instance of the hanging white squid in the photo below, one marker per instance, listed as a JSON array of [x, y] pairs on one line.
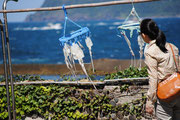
[[72, 46], [89, 44], [69, 59], [128, 42], [79, 55], [141, 44], [131, 23], [131, 51]]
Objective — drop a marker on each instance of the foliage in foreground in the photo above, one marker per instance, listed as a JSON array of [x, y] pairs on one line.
[[65, 102], [59, 102], [131, 72]]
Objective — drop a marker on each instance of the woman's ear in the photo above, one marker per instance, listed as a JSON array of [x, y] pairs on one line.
[[143, 35], [145, 38]]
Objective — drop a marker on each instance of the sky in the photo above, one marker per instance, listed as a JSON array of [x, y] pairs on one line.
[[21, 4]]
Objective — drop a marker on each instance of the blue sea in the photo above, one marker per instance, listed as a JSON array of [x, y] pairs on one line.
[[38, 43]]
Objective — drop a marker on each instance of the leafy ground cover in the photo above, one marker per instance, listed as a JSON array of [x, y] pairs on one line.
[[57, 102], [131, 72]]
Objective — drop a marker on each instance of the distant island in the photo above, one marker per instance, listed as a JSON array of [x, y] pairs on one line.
[[162, 8]]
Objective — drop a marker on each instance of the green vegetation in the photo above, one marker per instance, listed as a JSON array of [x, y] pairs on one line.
[[73, 103], [162, 8], [131, 72], [65, 102]]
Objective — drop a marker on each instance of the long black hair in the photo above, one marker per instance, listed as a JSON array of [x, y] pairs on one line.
[[150, 28]]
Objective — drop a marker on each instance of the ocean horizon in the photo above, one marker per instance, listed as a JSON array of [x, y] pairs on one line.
[[38, 42]]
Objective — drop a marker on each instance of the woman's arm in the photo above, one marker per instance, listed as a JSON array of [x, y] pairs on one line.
[[176, 52], [151, 63]]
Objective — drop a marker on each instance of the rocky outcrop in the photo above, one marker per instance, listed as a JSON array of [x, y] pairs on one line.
[[160, 8]]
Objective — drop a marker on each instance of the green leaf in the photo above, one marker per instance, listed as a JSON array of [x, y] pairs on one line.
[[41, 101], [1, 89], [80, 105], [22, 113], [57, 109], [74, 116]]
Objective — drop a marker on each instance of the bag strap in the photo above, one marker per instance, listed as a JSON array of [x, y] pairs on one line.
[[174, 57]]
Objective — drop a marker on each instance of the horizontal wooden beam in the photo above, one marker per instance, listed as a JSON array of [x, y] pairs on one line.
[[88, 83], [77, 6]]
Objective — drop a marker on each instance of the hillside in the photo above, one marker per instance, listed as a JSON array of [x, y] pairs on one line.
[[162, 8]]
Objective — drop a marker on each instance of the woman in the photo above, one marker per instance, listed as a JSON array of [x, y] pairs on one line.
[[160, 63]]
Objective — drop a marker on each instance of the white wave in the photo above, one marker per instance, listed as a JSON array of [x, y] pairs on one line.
[[50, 26], [112, 27], [111, 55], [88, 24], [116, 50], [57, 32], [101, 24], [12, 38], [29, 60], [117, 23], [13, 48], [102, 51], [36, 60], [15, 60]]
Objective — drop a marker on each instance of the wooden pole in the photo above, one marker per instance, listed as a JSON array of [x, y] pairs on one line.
[[77, 6], [105, 82]]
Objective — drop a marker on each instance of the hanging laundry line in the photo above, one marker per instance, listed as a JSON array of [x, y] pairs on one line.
[[77, 6]]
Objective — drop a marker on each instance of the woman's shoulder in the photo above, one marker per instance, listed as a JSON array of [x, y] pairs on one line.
[[175, 49], [152, 50]]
